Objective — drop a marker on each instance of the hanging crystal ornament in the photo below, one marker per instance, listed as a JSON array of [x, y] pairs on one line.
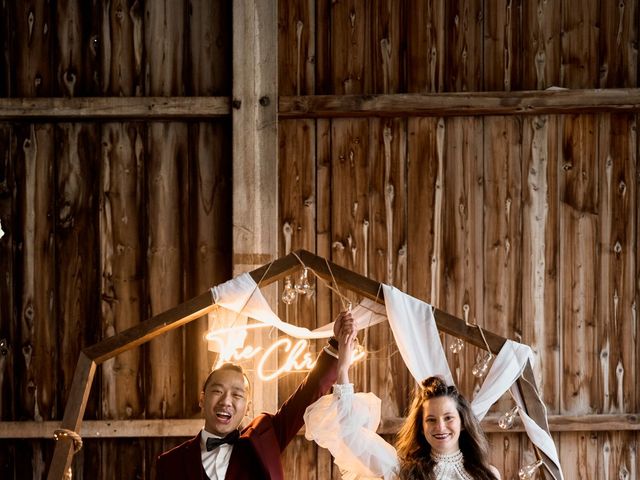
[[508, 419], [288, 293], [456, 346], [528, 472], [482, 367], [303, 287]]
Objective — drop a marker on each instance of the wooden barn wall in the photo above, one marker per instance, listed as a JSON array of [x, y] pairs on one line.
[[527, 225], [109, 223]]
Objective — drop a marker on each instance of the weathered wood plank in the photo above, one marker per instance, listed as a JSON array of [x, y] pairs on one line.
[[351, 54], [323, 58], [297, 28], [209, 48], [389, 426], [501, 45], [76, 28], [165, 257], [540, 326], [7, 17], [616, 299], [385, 255], [77, 245], [32, 49], [94, 108], [122, 263], [120, 46], [618, 44], [426, 49], [578, 197], [37, 302], [318, 106], [350, 211], [541, 36], [502, 239], [425, 147], [617, 209], [579, 44], [502, 226], [209, 239], [297, 215], [386, 21], [458, 280], [459, 103], [122, 290], [464, 72], [8, 326]]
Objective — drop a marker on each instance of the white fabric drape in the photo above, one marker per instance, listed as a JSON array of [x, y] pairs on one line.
[[416, 335]]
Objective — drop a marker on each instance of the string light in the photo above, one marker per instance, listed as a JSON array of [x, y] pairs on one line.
[[289, 293], [508, 419], [456, 346], [528, 472], [302, 286], [480, 369]]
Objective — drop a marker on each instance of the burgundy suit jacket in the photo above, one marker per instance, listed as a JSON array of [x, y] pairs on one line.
[[256, 455]]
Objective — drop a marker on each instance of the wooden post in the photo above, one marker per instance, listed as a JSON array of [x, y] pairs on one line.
[[255, 147], [73, 413]]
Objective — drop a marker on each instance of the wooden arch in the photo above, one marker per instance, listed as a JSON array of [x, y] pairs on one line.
[[198, 306]]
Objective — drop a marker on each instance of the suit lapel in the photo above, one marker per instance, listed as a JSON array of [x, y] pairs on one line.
[[193, 460]]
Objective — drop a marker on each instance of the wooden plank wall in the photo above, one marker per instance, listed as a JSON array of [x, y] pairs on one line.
[[527, 225], [109, 223]]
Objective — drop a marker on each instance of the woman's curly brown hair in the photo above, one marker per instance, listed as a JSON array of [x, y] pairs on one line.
[[413, 449]]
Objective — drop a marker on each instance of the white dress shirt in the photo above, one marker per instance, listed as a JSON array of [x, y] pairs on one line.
[[216, 461]]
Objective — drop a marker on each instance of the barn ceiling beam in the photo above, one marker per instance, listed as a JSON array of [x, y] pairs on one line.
[[535, 102]]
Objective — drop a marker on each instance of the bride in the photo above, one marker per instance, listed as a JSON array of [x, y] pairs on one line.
[[441, 439]]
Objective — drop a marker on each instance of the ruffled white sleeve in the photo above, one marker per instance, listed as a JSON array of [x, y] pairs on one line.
[[345, 423]]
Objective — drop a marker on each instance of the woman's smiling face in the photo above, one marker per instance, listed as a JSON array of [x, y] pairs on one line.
[[441, 424]]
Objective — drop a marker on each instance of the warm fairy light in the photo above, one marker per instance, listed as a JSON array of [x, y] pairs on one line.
[[296, 354], [530, 471]]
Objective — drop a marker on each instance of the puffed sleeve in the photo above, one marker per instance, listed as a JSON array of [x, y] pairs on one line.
[[345, 424]]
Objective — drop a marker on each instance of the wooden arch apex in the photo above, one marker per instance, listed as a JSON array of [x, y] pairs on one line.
[[198, 306]]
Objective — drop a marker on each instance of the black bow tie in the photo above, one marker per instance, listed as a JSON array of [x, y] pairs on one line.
[[216, 442]]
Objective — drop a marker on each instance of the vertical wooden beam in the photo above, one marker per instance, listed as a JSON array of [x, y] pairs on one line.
[[255, 147]]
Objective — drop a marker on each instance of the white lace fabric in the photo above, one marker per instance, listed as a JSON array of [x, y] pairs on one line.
[[450, 466]]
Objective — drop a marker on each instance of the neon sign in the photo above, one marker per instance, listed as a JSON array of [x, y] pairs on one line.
[[297, 354]]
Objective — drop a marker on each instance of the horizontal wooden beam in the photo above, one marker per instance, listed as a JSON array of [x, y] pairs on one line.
[[113, 108], [532, 102], [189, 427], [535, 102]]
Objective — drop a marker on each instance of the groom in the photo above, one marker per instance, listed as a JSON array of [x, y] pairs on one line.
[[220, 450]]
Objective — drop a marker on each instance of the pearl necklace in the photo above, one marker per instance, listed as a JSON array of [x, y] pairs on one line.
[[449, 466]]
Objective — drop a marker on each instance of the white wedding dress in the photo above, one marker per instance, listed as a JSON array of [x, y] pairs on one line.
[[345, 423]]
